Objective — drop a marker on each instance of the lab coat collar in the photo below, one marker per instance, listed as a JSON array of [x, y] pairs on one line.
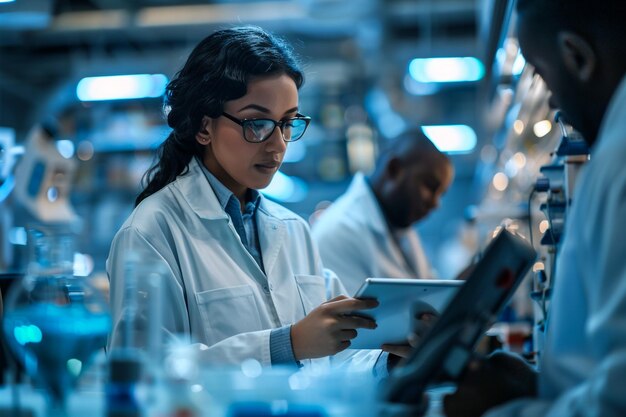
[[270, 216], [375, 219], [198, 192], [613, 127]]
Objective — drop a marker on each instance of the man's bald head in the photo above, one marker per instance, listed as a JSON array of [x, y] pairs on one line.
[[410, 176]]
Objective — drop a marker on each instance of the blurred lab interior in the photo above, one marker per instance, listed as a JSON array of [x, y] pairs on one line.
[[82, 114]]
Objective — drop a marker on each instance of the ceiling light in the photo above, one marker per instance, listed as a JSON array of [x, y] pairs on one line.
[[119, 87], [542, 128], [500, 181], [451, 138], [518, 126], [446, 70]]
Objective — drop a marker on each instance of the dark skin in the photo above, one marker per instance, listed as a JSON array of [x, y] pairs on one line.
[[409, 188], [582, 72]]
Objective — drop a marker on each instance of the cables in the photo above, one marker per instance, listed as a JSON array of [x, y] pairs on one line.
[[530, 218]]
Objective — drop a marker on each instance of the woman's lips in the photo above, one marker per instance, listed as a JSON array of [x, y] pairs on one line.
[[268, 166]]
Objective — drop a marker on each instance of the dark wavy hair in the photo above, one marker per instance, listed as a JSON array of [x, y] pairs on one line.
[[217, 70]]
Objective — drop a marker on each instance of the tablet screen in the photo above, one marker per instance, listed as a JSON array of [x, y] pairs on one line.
[[399, 301]]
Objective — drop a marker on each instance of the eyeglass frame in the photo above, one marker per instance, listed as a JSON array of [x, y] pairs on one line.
[[280, 123]]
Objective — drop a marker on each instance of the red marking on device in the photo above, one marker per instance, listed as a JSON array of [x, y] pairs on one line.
[[505, 280]]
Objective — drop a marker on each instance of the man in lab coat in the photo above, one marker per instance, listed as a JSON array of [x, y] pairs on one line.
[[578, 48], [370, 230]]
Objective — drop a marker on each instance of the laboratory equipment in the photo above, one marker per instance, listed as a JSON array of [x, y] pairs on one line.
[[54, 321], [43, 178], [558, 181]]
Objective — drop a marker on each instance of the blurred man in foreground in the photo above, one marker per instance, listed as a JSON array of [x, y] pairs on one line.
[[578, 48]]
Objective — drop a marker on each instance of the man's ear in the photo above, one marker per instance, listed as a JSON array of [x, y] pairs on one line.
[[203, 137], [394, 168], [578, 56]]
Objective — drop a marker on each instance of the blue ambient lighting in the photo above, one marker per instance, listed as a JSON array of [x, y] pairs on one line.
[[286, 189], [446, 70], [27, 334], [119, 87], [451, 138]]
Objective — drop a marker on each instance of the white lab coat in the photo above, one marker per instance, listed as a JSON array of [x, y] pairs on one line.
[[583, 368], [355, 241], [215, 291]]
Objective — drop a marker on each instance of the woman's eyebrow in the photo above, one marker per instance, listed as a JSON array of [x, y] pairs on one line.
[[255, 107], [264, 109]]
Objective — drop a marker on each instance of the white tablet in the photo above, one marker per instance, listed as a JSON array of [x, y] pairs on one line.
[[399, 300]]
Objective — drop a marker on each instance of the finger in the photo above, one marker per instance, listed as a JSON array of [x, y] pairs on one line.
[[350, 304], [403, 351], [355, 322], [338, 298], [347, 334], [343, 346]]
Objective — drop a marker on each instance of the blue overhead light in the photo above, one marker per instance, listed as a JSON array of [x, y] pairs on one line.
[[7, 1], [119, 87], [451, 138], [446, 70]]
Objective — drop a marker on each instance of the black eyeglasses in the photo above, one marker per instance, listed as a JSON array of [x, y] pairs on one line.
[[260, 130]]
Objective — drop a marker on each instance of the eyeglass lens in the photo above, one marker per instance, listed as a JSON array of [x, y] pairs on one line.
[[261, 129]]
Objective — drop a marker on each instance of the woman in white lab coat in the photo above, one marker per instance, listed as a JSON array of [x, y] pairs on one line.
[[245, 278]]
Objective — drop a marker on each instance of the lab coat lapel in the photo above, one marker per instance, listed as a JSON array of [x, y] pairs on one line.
[[195, 188], [370, 210], [198, 192], [271, 237]]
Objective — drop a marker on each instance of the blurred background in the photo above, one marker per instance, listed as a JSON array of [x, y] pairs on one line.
[[373, 69]]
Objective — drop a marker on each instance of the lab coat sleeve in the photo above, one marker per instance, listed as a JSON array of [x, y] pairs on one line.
[[602, 248]]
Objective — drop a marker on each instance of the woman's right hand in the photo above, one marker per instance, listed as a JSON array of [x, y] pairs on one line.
[[329, 328]]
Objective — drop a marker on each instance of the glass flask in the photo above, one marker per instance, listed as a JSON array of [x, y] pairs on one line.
[[54, 321]]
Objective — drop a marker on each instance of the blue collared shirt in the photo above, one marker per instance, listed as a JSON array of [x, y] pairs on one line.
[[245, 223], [281, 350]]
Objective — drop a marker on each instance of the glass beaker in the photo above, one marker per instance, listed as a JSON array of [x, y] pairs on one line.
[[53, 320]]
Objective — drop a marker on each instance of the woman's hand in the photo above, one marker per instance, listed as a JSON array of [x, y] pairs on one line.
[[329, 328]]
